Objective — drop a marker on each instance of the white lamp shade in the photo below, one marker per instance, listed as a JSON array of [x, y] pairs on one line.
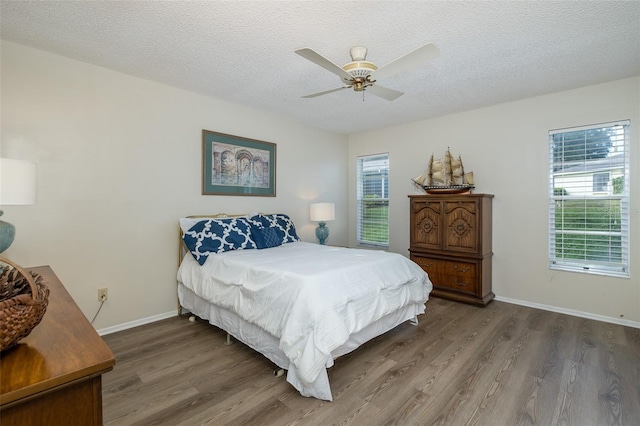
[[17, 182], [322, 212]]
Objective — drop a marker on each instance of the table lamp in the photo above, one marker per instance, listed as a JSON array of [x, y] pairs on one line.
[[17, 187], [322, 212]]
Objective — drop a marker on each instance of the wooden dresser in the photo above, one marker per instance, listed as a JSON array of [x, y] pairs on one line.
[[53, 376], [450, 238]]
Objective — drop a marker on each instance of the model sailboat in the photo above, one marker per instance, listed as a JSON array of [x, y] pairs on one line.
[[445, 176]]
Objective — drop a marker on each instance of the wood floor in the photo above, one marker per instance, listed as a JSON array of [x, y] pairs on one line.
[[500, 365]]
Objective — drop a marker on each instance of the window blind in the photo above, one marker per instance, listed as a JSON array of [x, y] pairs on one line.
[[373, 200], [589, 199]]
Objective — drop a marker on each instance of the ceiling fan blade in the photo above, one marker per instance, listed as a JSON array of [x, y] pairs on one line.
[[383, 92], [313, 95], [318, 59], [406, 62]]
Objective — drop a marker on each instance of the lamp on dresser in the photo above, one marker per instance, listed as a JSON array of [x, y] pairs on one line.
[[17, 187], [24, 296], [322, 212]]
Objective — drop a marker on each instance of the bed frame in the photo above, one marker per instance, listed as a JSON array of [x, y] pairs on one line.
[[216, 315]]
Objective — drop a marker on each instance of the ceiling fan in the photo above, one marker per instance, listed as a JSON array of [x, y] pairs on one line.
[[361, 74]]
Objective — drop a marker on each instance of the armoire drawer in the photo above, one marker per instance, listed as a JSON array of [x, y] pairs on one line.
[[446, 267], [457, 283]]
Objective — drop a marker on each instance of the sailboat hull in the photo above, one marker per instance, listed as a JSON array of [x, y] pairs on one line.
[[454, 189]]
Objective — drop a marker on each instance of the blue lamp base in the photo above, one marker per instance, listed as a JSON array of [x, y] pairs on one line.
[[8, 233], [322, 232]]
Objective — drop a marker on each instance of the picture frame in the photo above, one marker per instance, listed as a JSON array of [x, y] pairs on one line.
[[235, 165]]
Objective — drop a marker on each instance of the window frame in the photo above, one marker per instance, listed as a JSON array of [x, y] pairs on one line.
[[601, 185], [560, 200], [362, 200]]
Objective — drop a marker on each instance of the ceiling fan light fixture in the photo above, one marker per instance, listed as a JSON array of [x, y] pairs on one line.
[[360, 69]]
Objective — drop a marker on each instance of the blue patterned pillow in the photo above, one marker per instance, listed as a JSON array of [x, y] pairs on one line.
[[213, 236], [281, 223], [265, 237]]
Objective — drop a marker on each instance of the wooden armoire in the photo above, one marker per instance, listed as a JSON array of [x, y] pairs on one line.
[[450, 238]]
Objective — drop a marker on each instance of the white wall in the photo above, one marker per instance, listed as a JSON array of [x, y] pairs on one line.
[[119, 161], [506, 146]]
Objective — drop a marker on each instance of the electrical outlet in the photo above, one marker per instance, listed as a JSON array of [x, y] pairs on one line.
[[103, 294]]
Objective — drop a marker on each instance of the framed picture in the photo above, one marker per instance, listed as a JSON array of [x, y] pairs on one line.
[[233, 165]]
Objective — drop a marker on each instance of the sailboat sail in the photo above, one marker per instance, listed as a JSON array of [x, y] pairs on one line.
[[457, 171], [425, 177]]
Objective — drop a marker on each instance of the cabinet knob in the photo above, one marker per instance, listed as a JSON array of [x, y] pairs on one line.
[[460, 269], [460, 283]]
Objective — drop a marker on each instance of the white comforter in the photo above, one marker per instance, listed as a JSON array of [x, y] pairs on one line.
[[310, 297]]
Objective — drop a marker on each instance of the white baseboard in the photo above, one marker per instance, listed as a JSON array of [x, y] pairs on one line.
[[136, 323], [619, 321], [627, 323]]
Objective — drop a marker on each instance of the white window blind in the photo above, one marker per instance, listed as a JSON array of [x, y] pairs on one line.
[[373, 200], [589, 199]]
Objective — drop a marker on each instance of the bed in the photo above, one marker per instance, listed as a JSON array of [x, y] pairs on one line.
[[299, 304]]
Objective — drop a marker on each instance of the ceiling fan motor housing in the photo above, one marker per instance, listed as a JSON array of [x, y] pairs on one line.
[[358, 68]]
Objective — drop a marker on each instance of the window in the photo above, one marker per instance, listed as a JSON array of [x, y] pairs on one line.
[[373, 200], [600, 182], [589, 199]]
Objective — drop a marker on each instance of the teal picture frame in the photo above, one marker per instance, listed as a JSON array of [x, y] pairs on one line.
[[234, 165]]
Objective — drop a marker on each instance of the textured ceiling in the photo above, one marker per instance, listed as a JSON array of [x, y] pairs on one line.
[[491, 52]]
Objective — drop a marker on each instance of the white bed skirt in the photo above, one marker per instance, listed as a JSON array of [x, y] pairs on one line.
[[268, 345]]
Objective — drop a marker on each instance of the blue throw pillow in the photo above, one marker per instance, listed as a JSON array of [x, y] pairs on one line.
[[281, 223], [265, 237], [213, 236]]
